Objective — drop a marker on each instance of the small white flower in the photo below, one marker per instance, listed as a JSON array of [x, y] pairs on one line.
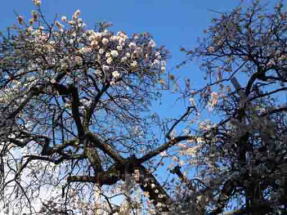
[[163, 154], [59, 25], [122, 34], [132, 45], [136, 37], [114, 38], [67, 105], [122, 41], [192, 101], [213, 99], [71, 22], [64, 66], [156, 62], [152, 43], [105, 41], [98, 35], [86, 103], [116, 74], [199, 198], [108, 54], [74, 34], [134, 64], [101, 51], [76, 14], [114, 53], [109, 60], [124, 59], [30, 29], [37, 2], [159, 204], [94, 43], [12, 136], [92, 37], [157, 54], [64, 19], [119, 48]]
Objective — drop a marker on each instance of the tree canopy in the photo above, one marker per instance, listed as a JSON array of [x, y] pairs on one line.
[[78, 135]]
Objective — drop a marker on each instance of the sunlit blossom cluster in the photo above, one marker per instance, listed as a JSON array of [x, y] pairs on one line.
[[37, 2], [70, 46]]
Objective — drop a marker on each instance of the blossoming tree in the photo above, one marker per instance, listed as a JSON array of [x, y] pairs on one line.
[[75, 122], [242, 158], [78, 136]]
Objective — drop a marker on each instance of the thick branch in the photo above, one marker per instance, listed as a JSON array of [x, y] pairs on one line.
[[105, 148], [94, 158], [156, 192]]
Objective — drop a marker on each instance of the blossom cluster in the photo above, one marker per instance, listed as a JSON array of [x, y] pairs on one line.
[[70, 46]]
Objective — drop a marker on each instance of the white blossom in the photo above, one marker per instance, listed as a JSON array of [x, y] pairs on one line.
[[76, 14], [132, 45], [101, 51], [64, 19], [105, 41], [116, 74], [152, 43], [124, 59], [108, 54], [37, 2], [114, 53], [59, 25], [134, 64], [109, 60], [119, 48]]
